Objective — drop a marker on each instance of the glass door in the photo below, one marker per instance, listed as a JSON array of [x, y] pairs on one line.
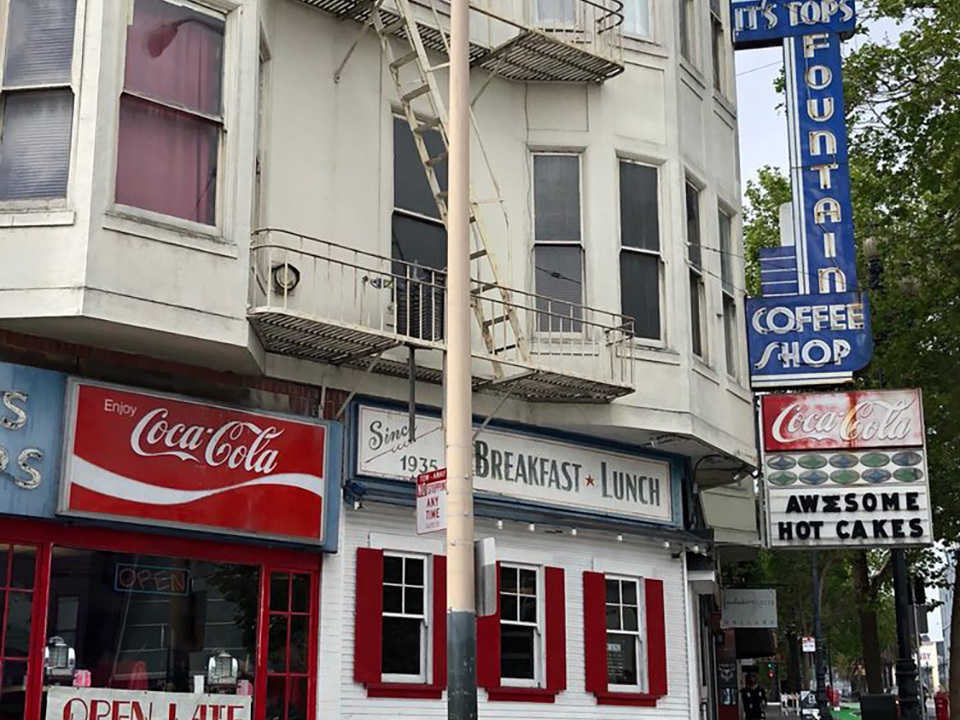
[[18, 566], [291, 646]]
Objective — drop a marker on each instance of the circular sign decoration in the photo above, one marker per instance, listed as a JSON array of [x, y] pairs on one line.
[[783, 478], [876, 475], [875, 459], [781, 462], [813, 462], [907, 458], [907, 475], [844, 460], [813, 477], [844, 477]]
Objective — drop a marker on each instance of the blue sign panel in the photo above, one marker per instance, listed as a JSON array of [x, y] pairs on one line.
[[31, 437], [823, 222], [796, 339], [765, 23]]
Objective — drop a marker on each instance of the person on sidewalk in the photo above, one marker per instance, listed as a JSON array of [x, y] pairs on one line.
[[753, 699]]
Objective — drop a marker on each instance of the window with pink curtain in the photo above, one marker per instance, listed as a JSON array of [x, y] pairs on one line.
[[171, 116]]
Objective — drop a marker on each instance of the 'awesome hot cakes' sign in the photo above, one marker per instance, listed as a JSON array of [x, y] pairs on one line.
[[845, 469]]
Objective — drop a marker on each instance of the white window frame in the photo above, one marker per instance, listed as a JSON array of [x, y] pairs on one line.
[[539, 661], [691, 36], [642, 670], [228, 12], [76, 63], [661, 263], [537, 332], [719, 58], [631, 33], [696, 270], [426, 651], [728, 294]]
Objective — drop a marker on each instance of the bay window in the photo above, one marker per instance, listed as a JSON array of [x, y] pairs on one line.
[[171, 111], [37, 93], [640, 261]]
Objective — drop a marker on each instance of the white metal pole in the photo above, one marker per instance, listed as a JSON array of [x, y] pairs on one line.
[[461, 601]]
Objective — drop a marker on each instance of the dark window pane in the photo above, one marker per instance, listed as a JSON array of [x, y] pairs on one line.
[[693, 224], [35, 144], [4, 559], [411, 190], [629, 590], [414, 571], [175, 54], [24, 566], [726, 251], [277, 644], [556, 197], [19, 611], [528, 582], [559, 284], [613, 617], [151, 623], [613, 591], [279, 591], [39, 42], [508, 607], [508, 579], [299, 635], [528, 609], [167, 161], [731, 336], [276, 698], [413, 601], [695, 315], [392, 599], [297, 703], [629, 618], [393, 569], [639, 209], [516, 652], [418, 242], [12, 690], [640, 292], [401, 646], [301, 593], [621, 659]]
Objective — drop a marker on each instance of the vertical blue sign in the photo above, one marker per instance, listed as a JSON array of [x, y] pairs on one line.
[[812, 325], [31, 439]]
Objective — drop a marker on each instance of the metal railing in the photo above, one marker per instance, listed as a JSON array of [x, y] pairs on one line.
[[330, 283], [593, 26]]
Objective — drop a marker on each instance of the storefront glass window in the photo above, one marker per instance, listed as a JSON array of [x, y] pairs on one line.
[[143, 622], [17, 570]]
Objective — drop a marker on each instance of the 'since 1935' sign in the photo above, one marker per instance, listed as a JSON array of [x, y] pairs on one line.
[[522, 466], [845, 469]]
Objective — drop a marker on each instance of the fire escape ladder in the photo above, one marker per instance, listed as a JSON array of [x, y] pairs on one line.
[[493, 308]]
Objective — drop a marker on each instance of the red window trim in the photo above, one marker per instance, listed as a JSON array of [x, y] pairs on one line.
[[368, 625], [555, 647], [45, 535], [595, 643]]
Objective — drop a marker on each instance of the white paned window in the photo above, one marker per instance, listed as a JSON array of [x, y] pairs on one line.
[[171, 111], [37, 95], [636, 17], [558, 242], [640, 261], [405, 638], [521, 631], [625, 655], [718, 47], [698, 315], [688, 24], [731, 327]]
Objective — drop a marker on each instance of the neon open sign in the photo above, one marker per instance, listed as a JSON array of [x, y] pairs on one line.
[[151, 580]]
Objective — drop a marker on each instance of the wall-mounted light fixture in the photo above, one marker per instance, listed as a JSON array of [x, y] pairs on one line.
[[285, 277]]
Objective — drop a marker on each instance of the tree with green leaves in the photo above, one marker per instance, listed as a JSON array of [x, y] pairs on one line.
[[903, 118]]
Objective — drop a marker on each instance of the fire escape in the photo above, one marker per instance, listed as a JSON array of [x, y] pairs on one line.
[[319, 300]]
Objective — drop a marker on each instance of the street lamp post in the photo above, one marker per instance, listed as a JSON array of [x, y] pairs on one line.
[[461, 599]]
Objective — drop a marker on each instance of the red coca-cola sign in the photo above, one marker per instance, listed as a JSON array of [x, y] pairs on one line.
[[850, 420], [155, 459]]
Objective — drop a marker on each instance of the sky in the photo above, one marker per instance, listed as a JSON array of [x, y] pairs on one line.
[[763, 127]]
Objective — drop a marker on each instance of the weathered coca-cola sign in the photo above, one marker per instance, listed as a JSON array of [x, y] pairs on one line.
[[155, 459], [851, 420]]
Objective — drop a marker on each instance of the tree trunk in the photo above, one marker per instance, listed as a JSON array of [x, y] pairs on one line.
[[869, 634], [955, 643]]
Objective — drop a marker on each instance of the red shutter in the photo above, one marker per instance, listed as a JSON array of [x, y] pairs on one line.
[[367, 639], [595, 631], [488, 646], [656, 638], [439, 621], [556, 629]]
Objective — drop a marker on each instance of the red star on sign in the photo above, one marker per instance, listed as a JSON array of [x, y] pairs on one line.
[[590, 480]]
